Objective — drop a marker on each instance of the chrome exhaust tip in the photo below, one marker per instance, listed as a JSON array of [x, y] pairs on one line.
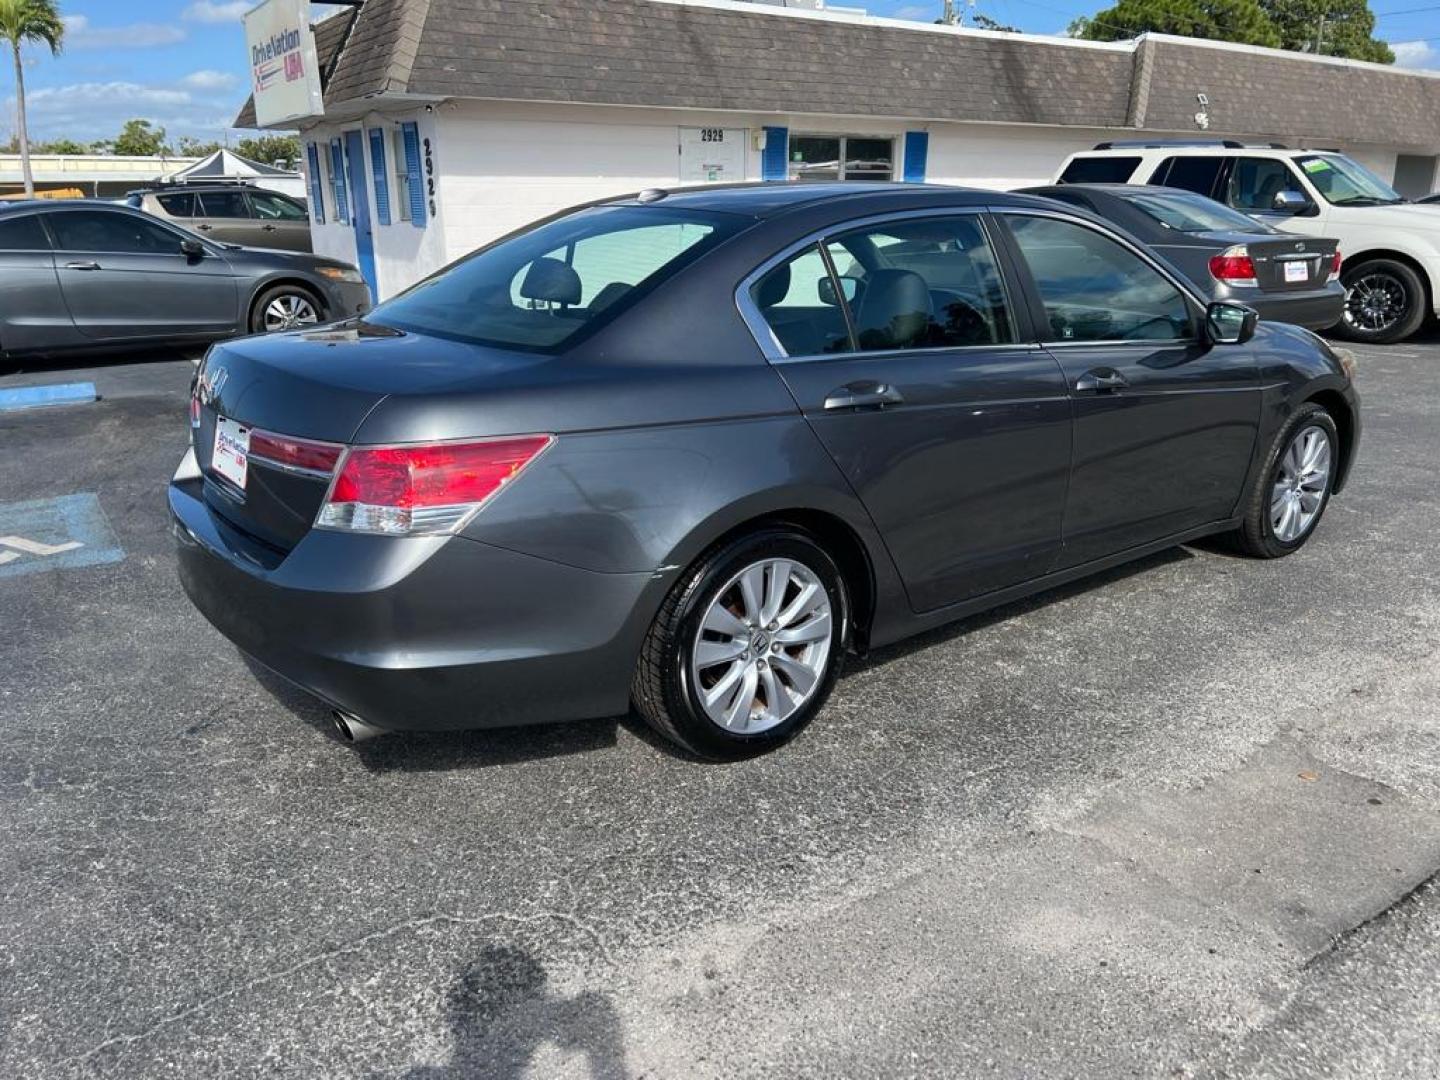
[[349, 728]]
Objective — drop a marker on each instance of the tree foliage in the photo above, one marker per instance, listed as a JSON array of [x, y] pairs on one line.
[[189, 146], [1333, 27], [271, 149], [28, 22], [140, 138], [1242, 21]]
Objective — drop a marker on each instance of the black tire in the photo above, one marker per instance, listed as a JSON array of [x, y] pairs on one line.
[[1392, 280], [662, 689], [1256, 536], [277, 292]]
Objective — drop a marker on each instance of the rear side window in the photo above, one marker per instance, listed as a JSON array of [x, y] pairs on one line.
[[23, 234], [552, 284], [222, 204], [180, 205], [1187, 212], [1099, 170], [1197, 174]]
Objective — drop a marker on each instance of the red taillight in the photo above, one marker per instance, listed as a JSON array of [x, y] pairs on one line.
[[1233, 266], [407, 490], [194, 411], [290, 452], [1335, 265]]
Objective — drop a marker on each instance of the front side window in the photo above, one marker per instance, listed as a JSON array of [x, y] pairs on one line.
[[554, 283], [23, 234], [222, 204], [1347, 183], [1099, 170], [271, 207], [1254, 183], [1188, 213], [1095, 289], [120, 232]]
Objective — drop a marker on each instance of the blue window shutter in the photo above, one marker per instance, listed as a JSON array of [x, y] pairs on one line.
[[775, 158], [379, 175], [337, 178], [317, 188], [917, 145], [414, 173]]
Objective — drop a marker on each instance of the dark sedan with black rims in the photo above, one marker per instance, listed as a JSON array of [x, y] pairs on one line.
[[682, 452], [83, 276], [1230, 256]]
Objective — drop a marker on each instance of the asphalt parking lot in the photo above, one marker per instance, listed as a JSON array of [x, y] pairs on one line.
[[1179, 820]]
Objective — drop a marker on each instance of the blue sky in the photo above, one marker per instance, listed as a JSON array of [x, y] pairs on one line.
[[181, 63]]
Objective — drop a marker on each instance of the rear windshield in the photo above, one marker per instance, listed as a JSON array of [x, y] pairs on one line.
[[548, 286], [1189, 213], [1099, 170]]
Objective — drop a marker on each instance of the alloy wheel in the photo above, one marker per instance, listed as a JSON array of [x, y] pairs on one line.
[[1376, 302], [288, 311], [763, 646], [1301, 484]]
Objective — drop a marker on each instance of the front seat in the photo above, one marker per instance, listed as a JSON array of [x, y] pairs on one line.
[[894, 312], [551, 281]]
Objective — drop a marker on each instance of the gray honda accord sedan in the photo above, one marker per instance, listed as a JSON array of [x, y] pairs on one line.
[[83, 276], [683, 451]]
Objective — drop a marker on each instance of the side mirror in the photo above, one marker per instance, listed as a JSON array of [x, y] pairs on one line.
[[1230, 324], [192, 248], [849, 286], [1291, 202]]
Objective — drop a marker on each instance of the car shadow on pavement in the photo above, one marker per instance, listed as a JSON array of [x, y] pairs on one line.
[[501, 1013]]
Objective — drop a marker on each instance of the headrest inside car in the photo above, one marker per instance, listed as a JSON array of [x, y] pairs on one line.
[[774, 286], [894, 311], [552, 280]]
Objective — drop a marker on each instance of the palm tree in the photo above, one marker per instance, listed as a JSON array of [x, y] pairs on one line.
[[25, 22]]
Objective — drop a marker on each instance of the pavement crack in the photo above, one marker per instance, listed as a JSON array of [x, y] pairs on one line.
[[1346, 935], [128, 1039]]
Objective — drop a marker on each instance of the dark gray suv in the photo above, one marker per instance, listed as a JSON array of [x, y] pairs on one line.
[[683, 451]]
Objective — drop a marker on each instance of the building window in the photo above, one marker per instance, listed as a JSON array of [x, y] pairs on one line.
[[841, 157], [401, 201]]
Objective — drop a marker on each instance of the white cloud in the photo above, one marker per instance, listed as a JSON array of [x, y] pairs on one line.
[[207, 11], [97, 110], [915, 12], [79, 34], [208, 79], [1415, 54]]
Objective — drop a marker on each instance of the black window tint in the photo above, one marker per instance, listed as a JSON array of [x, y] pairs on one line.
[[797, 299], [23, 234], [1197, 174], [99, 230], [222, 204], [1094, 289], [1254, 183], [179, 205], [554, 283], [926, 283], [1099, 170]]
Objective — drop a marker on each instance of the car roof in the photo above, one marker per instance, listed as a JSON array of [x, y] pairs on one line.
[[59, 204], [1122, 191], [762, 199]]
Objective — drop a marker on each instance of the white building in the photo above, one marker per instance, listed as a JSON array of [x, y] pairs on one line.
[[447, 123]]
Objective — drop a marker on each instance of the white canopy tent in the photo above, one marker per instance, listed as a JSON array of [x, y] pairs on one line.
[[225, 165]]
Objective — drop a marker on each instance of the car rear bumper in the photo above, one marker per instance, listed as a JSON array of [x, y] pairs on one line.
[[434, 633], [1314, 309]]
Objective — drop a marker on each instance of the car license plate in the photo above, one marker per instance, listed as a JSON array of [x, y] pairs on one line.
[[1298, 270], [232, 449]]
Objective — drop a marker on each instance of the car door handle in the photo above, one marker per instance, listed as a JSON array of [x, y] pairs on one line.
[[268, 228], [863, 395], [1100, 381], [204, 228], [82, 266]]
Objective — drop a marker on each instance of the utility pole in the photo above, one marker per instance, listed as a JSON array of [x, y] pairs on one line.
[[947, 14], [1320, 36]]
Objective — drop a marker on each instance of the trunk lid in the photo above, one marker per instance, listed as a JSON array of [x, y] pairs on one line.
[[317, 386], [1287, 263]]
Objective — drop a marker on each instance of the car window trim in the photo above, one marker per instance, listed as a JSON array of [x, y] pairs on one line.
[[1194, 301], [774, 352]]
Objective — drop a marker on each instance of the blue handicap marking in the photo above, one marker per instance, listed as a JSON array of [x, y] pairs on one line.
[[55, 534], [37, 397]]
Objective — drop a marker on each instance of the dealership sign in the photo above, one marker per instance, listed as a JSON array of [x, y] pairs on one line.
[[284, 71]]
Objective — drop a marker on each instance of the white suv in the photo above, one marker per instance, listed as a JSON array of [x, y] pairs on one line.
[[1391, 246]]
